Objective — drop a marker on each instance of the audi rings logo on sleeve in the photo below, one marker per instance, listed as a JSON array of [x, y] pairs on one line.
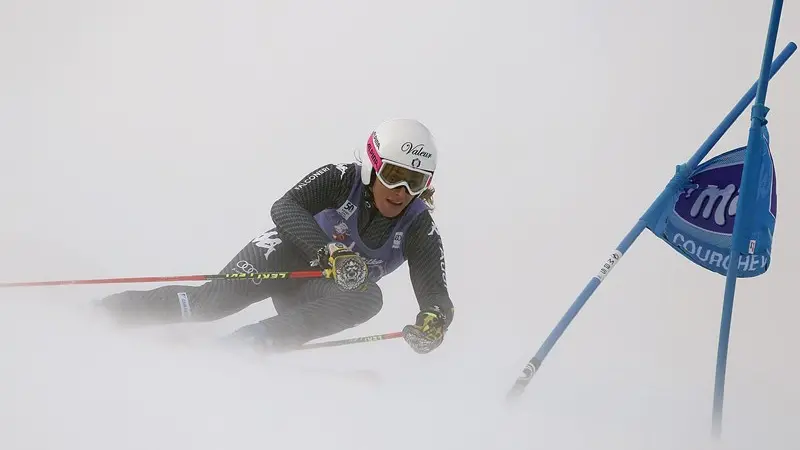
[[245, 267]]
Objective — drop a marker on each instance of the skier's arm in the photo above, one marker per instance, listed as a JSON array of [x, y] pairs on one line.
[[426, 264], [293, 214]]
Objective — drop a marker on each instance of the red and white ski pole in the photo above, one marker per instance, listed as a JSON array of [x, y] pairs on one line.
[[231, 276], [227, 276]]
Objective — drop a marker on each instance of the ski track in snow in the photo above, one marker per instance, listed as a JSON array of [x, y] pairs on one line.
[[75, 382]]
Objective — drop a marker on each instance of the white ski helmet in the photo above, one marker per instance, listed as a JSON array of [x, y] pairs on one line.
[[402, 152]]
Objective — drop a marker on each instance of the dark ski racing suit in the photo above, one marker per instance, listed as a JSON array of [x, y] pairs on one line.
[[312, 308]]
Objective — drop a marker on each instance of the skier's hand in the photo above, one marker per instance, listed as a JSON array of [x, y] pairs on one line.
[[428, 331], [348, 269]]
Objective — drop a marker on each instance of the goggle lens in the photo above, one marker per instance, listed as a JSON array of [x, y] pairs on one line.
[[392, 176]]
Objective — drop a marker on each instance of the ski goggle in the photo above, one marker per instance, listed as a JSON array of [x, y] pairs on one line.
[[393, 175]]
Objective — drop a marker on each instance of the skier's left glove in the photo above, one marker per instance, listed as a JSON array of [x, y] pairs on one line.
[[428, 331]]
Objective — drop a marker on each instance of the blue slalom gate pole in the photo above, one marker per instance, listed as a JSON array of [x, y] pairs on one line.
[[677, 181], [743, 211]]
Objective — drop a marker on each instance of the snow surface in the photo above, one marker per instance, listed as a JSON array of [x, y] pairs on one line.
[[151, 138]]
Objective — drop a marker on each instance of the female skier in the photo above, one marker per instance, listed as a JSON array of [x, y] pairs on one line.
[[357, 222]]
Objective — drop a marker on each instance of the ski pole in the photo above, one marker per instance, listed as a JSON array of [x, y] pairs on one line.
[[356, 340], [226, 276]]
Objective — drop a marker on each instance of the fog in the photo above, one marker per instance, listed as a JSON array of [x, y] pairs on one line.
[[151, 138]]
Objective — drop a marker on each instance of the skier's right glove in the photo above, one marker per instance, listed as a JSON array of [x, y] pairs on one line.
[[347, 268]]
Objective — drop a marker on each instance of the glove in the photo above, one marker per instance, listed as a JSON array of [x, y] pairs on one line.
[[428, 331], [348, 269]]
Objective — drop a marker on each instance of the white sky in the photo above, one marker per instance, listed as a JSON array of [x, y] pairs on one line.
[[151, 138]]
